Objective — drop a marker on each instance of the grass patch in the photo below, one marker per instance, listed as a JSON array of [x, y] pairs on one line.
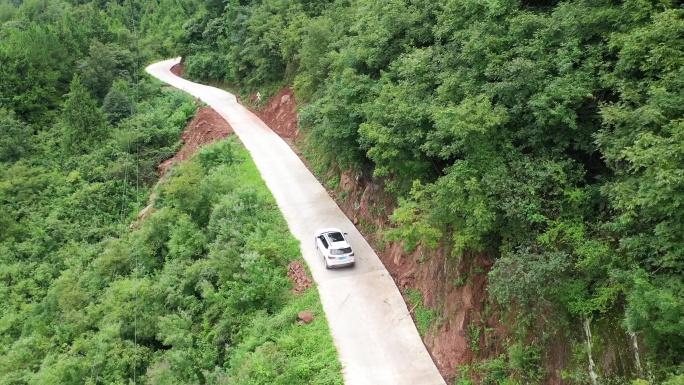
[[424, 317], [278, 350]]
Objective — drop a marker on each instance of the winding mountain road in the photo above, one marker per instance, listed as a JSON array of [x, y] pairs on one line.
[[375, 337]]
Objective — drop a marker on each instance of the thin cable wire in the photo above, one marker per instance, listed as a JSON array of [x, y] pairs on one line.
[[137, 196], [136, 82]]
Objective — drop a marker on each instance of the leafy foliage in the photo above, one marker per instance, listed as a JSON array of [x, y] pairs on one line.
[[104, 64], [14, 137], [82, 123], [116, 106], [424, 317]]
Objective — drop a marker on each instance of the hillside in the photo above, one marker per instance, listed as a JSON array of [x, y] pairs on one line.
[[517, 165]]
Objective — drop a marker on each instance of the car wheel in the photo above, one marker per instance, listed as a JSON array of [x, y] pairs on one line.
[[326, 263]]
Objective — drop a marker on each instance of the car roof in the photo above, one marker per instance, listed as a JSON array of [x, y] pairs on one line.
[[328, 231]]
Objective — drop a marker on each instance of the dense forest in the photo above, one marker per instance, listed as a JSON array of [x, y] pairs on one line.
[[546, 134], [197, 291]]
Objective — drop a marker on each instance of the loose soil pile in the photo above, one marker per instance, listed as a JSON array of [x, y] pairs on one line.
[[206, 127]]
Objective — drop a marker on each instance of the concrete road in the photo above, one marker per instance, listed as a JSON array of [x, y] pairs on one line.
[[371, 327]]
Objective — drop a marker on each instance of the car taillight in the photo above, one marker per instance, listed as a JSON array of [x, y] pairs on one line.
[[331, 257]]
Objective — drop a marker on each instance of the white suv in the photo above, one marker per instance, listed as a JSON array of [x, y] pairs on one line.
[[334, 248]]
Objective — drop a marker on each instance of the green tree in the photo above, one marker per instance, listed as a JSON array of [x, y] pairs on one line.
[[335, 116], [642, 142], [104, 64], [116, 106], [398, 121], [81, 122], [29, 76], [15, 137]]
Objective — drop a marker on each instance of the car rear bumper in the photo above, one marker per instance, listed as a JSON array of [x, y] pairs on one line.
[[342, 263]]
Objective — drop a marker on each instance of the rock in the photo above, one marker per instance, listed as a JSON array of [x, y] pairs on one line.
[[306, 316], [298, 274]]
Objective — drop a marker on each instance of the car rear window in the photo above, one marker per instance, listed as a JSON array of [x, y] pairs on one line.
[[336, 237], [343, 250]]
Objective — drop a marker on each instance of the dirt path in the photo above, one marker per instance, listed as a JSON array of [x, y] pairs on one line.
[[372, 329]]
